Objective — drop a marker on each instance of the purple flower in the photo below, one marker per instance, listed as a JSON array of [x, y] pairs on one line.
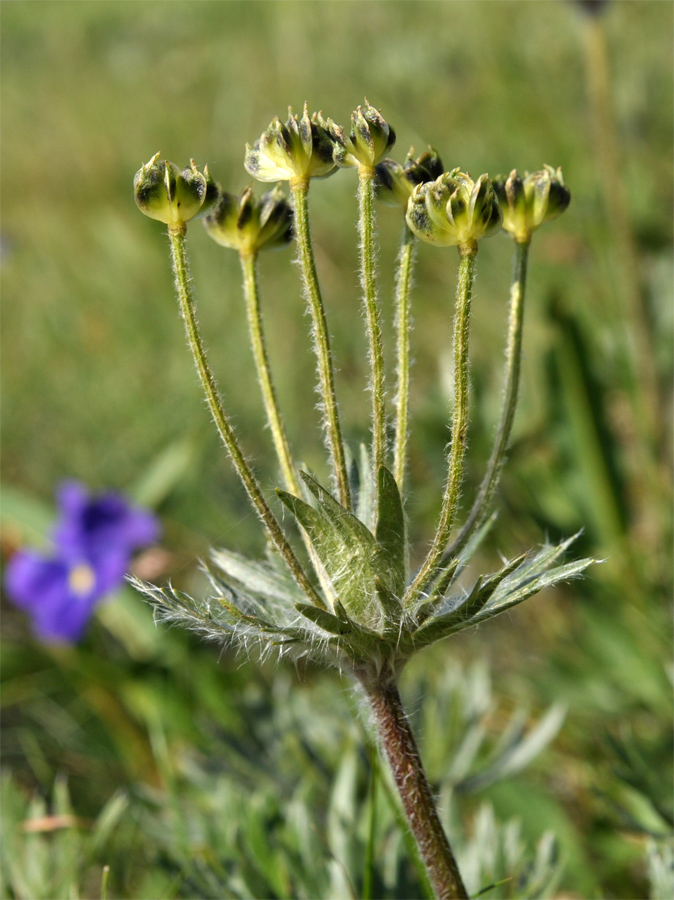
[[94, 540]]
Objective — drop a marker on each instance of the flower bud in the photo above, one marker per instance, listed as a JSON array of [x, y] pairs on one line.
[[299, 150], [165, 193], [369, 139], [394, 183], [454, 210], [529, 202], [247, 224]]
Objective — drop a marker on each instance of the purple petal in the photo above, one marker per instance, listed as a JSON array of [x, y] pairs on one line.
[[66, 622], [33, 581], [110, 568], [58, 597], [95, 527], [71, 496]]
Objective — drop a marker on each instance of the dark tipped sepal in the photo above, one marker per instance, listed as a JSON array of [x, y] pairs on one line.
[[164, 192]]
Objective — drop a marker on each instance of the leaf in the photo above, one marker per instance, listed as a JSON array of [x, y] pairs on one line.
[[391, 546], [344, 546], [326, 542], [165, 472], [532, 576], [257, 577], [518, 750], [454, 567], [499, 592], [323, 619], [26, 516], [482, 591], [349, 526], [390, 604], [459, 616], [429, 606]]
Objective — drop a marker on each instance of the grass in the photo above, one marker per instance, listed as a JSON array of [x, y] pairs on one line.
[[99, 386]]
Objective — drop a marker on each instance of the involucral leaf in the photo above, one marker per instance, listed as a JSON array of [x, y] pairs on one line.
[[344, 547], [391, 544]]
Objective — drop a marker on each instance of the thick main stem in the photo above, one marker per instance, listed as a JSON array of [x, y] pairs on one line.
[[480, 508], [250, 287], [321, 342], [400, 748], [366, 177], [403, 287], [450, 501], [222, 423]]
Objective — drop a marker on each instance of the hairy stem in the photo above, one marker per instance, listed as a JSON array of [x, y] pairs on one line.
[[321, 342], [480, 509], [250, 287], [457, 449], [366, 177], [241, 464], [400, 748], [403, 324]]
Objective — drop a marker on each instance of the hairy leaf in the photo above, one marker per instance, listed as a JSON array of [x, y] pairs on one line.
[[391, 545]]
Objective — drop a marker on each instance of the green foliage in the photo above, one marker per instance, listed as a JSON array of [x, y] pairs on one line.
[[291, 808], [85, 321], [47, 853]]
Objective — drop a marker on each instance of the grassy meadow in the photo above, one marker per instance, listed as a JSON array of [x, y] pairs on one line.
[[190, 772]]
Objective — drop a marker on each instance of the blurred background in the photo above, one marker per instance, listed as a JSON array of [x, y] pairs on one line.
[[185, 770]]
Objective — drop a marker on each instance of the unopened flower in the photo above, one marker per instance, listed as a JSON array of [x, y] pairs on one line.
[[93, 540], [297, 151], [247, 224], [370, 138], [395, 184], [454, 210], [172, 196], [529, 202]]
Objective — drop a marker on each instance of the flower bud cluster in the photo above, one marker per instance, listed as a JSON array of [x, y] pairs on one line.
[[299, 150], [370, 138], [443, 208], [173, 197], [247, 224], [454, 210], [395, 184], [529, 202]]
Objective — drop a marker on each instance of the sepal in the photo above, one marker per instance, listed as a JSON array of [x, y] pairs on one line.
[[454, 210], [369, 139], [298, 150], [530, 202], [163, 192], [248, 225], [394, 184]]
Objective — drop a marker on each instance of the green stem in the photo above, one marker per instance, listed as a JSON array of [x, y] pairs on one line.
[[222, 423], [250, 288], [321, 341], [457, 449], [400, 747], [368, 283], [403, 287], [480, 508]]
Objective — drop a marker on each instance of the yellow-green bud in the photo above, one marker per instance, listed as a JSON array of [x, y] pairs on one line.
[[369, 140], [529, 202], [297, 151], [394, 183], [173, 197], [247, 224], [454, 210]]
